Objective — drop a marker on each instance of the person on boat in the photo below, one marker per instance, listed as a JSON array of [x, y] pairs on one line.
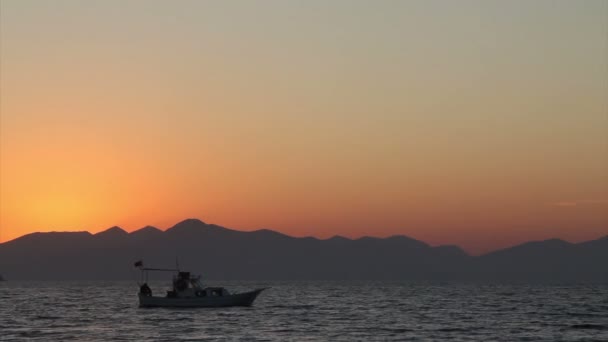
[[145, 290]]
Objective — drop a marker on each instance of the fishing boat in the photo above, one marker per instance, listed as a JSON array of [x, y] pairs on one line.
[[188, 292]]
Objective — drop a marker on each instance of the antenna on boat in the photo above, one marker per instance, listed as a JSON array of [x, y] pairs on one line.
[[140, 265], [176, 264]]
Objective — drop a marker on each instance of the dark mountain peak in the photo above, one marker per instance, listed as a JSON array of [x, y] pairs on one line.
[[147, 230], [549, 243], [51, 235], [44, 239], [187, 225], [305, 238], [190, 222], [193, 226], [394, 240], [113, 231], [404, 238], [337, 238], [269, 232]]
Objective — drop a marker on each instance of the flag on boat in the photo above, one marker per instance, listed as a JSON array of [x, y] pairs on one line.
[[138, 263]]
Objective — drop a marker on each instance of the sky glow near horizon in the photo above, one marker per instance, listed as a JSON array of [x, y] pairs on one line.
[[476, 123]]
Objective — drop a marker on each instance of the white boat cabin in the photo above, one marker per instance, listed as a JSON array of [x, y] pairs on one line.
[[188, 286]]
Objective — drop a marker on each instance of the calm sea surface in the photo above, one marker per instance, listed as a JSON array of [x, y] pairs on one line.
[[336, 311]]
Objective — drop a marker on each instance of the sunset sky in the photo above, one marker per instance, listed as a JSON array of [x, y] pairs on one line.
[[477, 123]]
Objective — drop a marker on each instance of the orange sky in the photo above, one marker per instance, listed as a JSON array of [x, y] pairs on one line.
[[476, 123]]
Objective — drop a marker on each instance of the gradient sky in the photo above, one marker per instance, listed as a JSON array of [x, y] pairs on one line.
[[477, 123]]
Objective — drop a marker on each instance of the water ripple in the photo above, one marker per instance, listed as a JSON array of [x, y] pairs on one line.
[[310, 311]]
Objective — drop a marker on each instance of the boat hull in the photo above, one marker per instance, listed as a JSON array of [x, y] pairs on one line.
[[239, 299]]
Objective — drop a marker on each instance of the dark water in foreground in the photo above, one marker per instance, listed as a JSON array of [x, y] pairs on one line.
[[336, 311]]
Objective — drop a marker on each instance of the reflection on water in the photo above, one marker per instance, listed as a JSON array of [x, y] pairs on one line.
[[346, 311]]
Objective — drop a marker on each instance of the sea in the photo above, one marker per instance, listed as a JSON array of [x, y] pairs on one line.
[[310, 311]]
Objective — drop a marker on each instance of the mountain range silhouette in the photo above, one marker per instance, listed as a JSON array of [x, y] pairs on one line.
[[220, 253]]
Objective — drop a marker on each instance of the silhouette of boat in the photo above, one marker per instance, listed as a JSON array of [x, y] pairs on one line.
[[189, 292]]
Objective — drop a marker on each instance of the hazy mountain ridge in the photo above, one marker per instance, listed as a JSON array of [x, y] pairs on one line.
[[222, 253]]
